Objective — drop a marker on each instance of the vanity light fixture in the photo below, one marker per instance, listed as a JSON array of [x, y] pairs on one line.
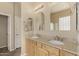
[[39, 7]]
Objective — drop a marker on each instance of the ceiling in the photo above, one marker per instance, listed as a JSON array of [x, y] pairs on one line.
[[53, 6], [61, 6]]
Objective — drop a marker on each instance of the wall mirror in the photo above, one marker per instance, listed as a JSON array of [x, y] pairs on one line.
[[41, 21], [60, 19], [28, 25]]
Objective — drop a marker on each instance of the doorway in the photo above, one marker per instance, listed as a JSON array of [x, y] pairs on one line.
[[3, 31]]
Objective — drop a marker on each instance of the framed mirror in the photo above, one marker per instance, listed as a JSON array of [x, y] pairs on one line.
[[41, 21], [28, 25]]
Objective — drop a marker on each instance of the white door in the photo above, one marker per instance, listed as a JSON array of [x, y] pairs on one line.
[[17, 32]]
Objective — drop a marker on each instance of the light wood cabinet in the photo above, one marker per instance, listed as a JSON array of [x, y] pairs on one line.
[[31, 47], [35, 48], [51, 50], [42, 52], [39, 44], [66, 53], [28, 47], [40, 49]]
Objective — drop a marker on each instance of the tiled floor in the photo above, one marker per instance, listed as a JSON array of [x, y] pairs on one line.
[[5, 52]]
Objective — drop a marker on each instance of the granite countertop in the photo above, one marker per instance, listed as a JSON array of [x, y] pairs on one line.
[[68, 46]]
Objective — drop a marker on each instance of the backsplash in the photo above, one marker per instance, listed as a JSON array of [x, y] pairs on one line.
[[67, 35]]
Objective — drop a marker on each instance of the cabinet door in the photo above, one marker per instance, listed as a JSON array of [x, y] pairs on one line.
[[31, 47], [28, 47], [66, 53], [41, 52], [39, 44], [51, 50]]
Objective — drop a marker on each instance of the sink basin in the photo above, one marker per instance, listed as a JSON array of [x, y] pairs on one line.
[[55, 42], [35, 37]]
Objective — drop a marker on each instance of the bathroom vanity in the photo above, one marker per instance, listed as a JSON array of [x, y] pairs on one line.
[[41, 47]]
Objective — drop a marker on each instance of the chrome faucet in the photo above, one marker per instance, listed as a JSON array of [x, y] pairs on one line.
[[58, 38]]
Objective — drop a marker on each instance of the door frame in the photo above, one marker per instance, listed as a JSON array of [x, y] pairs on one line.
[[9, 31], [17, 33]]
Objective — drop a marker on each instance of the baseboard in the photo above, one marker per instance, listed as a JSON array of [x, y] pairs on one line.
[[17, 47], [11, 49], [8, 49]]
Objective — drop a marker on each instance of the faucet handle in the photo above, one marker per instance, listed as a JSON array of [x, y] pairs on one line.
[[57, 37], [61, 39]]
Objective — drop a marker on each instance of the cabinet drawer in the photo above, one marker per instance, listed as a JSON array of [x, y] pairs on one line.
[[34, 43], [41, 52], [52, 51], [39, 44], [66, 53]]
